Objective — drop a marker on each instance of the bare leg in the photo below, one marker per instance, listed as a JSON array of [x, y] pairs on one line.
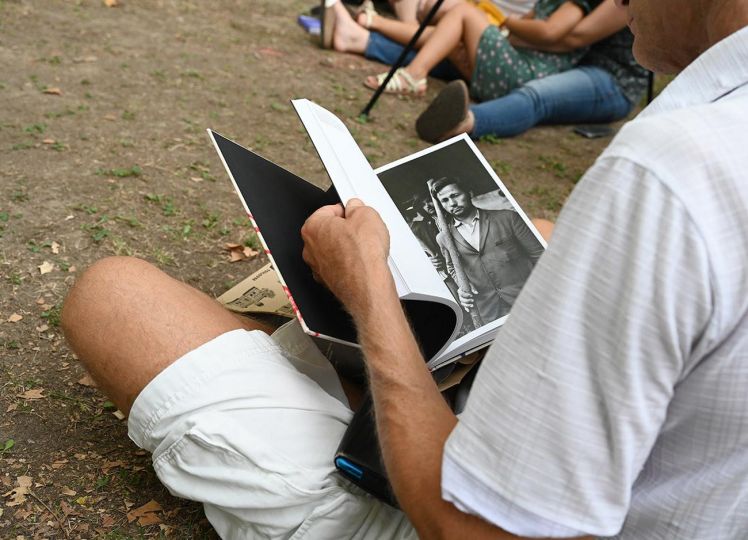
[[127, 321], [348, 36], [398, 31], [465, 25], [405, 10]]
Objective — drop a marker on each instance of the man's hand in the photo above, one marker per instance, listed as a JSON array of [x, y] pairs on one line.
[[347, 250], [438, 263], [467, 298]]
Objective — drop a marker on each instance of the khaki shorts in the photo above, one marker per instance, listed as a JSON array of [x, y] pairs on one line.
[[248, 425]]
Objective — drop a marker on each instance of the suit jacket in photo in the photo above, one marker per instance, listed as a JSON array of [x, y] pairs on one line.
[[507, 252]]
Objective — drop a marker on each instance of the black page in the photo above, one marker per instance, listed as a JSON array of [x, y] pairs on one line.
[[280, 202]]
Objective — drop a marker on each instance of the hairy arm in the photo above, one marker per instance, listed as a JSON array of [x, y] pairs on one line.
[[536, 32], [348, 250]]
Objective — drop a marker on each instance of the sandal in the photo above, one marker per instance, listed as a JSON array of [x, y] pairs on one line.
[[367, 8], [327, 17], [401, 83]]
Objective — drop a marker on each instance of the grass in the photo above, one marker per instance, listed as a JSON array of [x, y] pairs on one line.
[[53, 316], [133, 171]]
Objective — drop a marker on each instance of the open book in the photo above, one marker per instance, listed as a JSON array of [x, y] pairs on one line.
[[453, 226]]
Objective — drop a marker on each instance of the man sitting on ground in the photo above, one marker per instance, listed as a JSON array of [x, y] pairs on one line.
[[612, 403]]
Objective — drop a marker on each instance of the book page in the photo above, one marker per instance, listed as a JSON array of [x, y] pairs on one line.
[[479, 241], [352, 176]]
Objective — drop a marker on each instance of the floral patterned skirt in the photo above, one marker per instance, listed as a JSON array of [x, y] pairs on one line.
[[500, 68]]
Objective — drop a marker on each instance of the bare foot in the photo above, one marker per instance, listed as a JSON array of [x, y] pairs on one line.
[[348, 35], [447, 115], [466, 126]]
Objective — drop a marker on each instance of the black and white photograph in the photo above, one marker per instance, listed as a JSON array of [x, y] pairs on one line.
[[477, 238]]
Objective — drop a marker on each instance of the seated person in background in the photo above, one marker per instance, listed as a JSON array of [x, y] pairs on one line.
[[410, 12], [492, 65], [604, 87]]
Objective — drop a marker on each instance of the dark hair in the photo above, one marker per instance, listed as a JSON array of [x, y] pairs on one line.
[[444, 181]]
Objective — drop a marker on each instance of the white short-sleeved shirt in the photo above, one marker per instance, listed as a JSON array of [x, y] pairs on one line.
[[515, 7], [614, 402]]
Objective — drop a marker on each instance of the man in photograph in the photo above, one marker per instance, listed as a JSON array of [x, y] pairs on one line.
[[495, 249], [425, 229]]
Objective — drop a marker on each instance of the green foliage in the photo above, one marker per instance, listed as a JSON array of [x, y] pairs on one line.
[[133, 171], [36, 129], [97, 229], [491, 139], [550, 164], [10, 443], [501, 167], [53, 316]]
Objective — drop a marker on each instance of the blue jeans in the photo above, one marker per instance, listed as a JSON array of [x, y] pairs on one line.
[[583, 95], [386, 51]]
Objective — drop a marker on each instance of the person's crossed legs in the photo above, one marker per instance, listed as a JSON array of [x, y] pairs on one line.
[[244, 422]]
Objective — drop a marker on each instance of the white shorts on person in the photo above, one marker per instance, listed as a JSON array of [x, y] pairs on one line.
[[248, 424]]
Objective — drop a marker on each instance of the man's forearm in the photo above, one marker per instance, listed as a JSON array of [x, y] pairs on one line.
[[413, 420]]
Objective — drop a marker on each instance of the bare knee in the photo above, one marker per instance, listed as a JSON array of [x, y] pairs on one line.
[[544, 227], [97, 285]]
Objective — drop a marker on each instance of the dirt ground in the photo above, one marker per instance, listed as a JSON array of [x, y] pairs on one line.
[[103, 146]]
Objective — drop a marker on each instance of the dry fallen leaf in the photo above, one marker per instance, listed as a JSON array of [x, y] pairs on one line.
[[15, 317], [18, 494], [42, 328], [35, 393], [86, 380], [22, 514], [67, 491], [49, 141], [40, 300], [239, 252], [107, 521], [46, 267], [145, 514], [111, 3], [109, 465], [55, 247], [12, 407], [67, 510], [53, 90], [148, 519], [59, 463]]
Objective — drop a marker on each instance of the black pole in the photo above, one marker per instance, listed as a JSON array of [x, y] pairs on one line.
[[401, 59]]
